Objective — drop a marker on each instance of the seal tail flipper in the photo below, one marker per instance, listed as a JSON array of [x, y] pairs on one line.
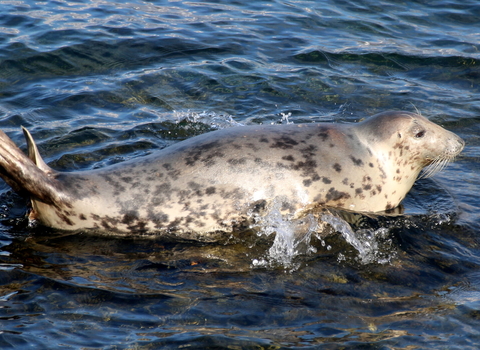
[[33, 153], [28, 175]]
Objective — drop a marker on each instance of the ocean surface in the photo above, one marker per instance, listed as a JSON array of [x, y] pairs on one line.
[[101, 82]]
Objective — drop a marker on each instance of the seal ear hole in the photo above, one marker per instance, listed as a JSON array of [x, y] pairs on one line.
[[399, 135]]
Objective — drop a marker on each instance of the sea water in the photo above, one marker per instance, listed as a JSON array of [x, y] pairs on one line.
[[101, 82]]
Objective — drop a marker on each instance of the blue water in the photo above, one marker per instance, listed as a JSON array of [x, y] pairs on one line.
[[99, 82]]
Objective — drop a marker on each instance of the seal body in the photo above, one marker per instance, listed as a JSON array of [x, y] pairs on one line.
[[216, 181]]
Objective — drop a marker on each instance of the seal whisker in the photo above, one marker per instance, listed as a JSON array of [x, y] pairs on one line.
[[416, 109], [438, 164]]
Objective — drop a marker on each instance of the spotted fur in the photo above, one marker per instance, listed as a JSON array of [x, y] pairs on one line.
[[214, 182]]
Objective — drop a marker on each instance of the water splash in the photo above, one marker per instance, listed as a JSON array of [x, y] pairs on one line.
[[373, 245], [346, 231], [285, 117], [292, 237], [212, 119]]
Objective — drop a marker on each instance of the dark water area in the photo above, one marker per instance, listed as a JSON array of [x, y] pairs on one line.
[[101, 82]]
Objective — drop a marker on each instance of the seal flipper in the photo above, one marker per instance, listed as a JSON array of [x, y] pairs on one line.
[[29, 176], [33, 153]]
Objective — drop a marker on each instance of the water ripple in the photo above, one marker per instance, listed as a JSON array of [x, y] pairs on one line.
[[99, 82]]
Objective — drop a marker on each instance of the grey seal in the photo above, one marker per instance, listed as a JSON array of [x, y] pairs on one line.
[[216, 181]]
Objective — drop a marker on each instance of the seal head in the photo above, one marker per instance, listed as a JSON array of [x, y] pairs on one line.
[[404, 144]]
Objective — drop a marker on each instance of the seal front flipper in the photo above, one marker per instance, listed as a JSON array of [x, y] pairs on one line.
[[29, 175]]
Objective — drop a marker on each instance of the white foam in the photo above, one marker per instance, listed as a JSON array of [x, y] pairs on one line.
[[293, 238], [369, 243], [213, 119]]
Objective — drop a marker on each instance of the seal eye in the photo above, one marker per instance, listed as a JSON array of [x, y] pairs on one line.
[[420, 134]]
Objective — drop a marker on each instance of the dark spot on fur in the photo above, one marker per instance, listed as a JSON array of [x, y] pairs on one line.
[[139, 226], [82, 217], [371, 165], [264, 139], [237, 161], [163, 189], [326, 180], [65, 218], [210, 190], [136, 184], [209, 159], [205, 153], [307, 166], [357, 162], [287, 206], [158, 218], [323, 133], [129, 217], [289, 158], [334, 195], [383, 175], [309, 151], [307, 183], [284, 142], [194, 186], [259, 206], [345, 181], [337, 167], [105, 225], [367, 187], [126, 179], [251, 146]]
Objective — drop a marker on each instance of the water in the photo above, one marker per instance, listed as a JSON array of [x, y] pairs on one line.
[[101, 82]]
